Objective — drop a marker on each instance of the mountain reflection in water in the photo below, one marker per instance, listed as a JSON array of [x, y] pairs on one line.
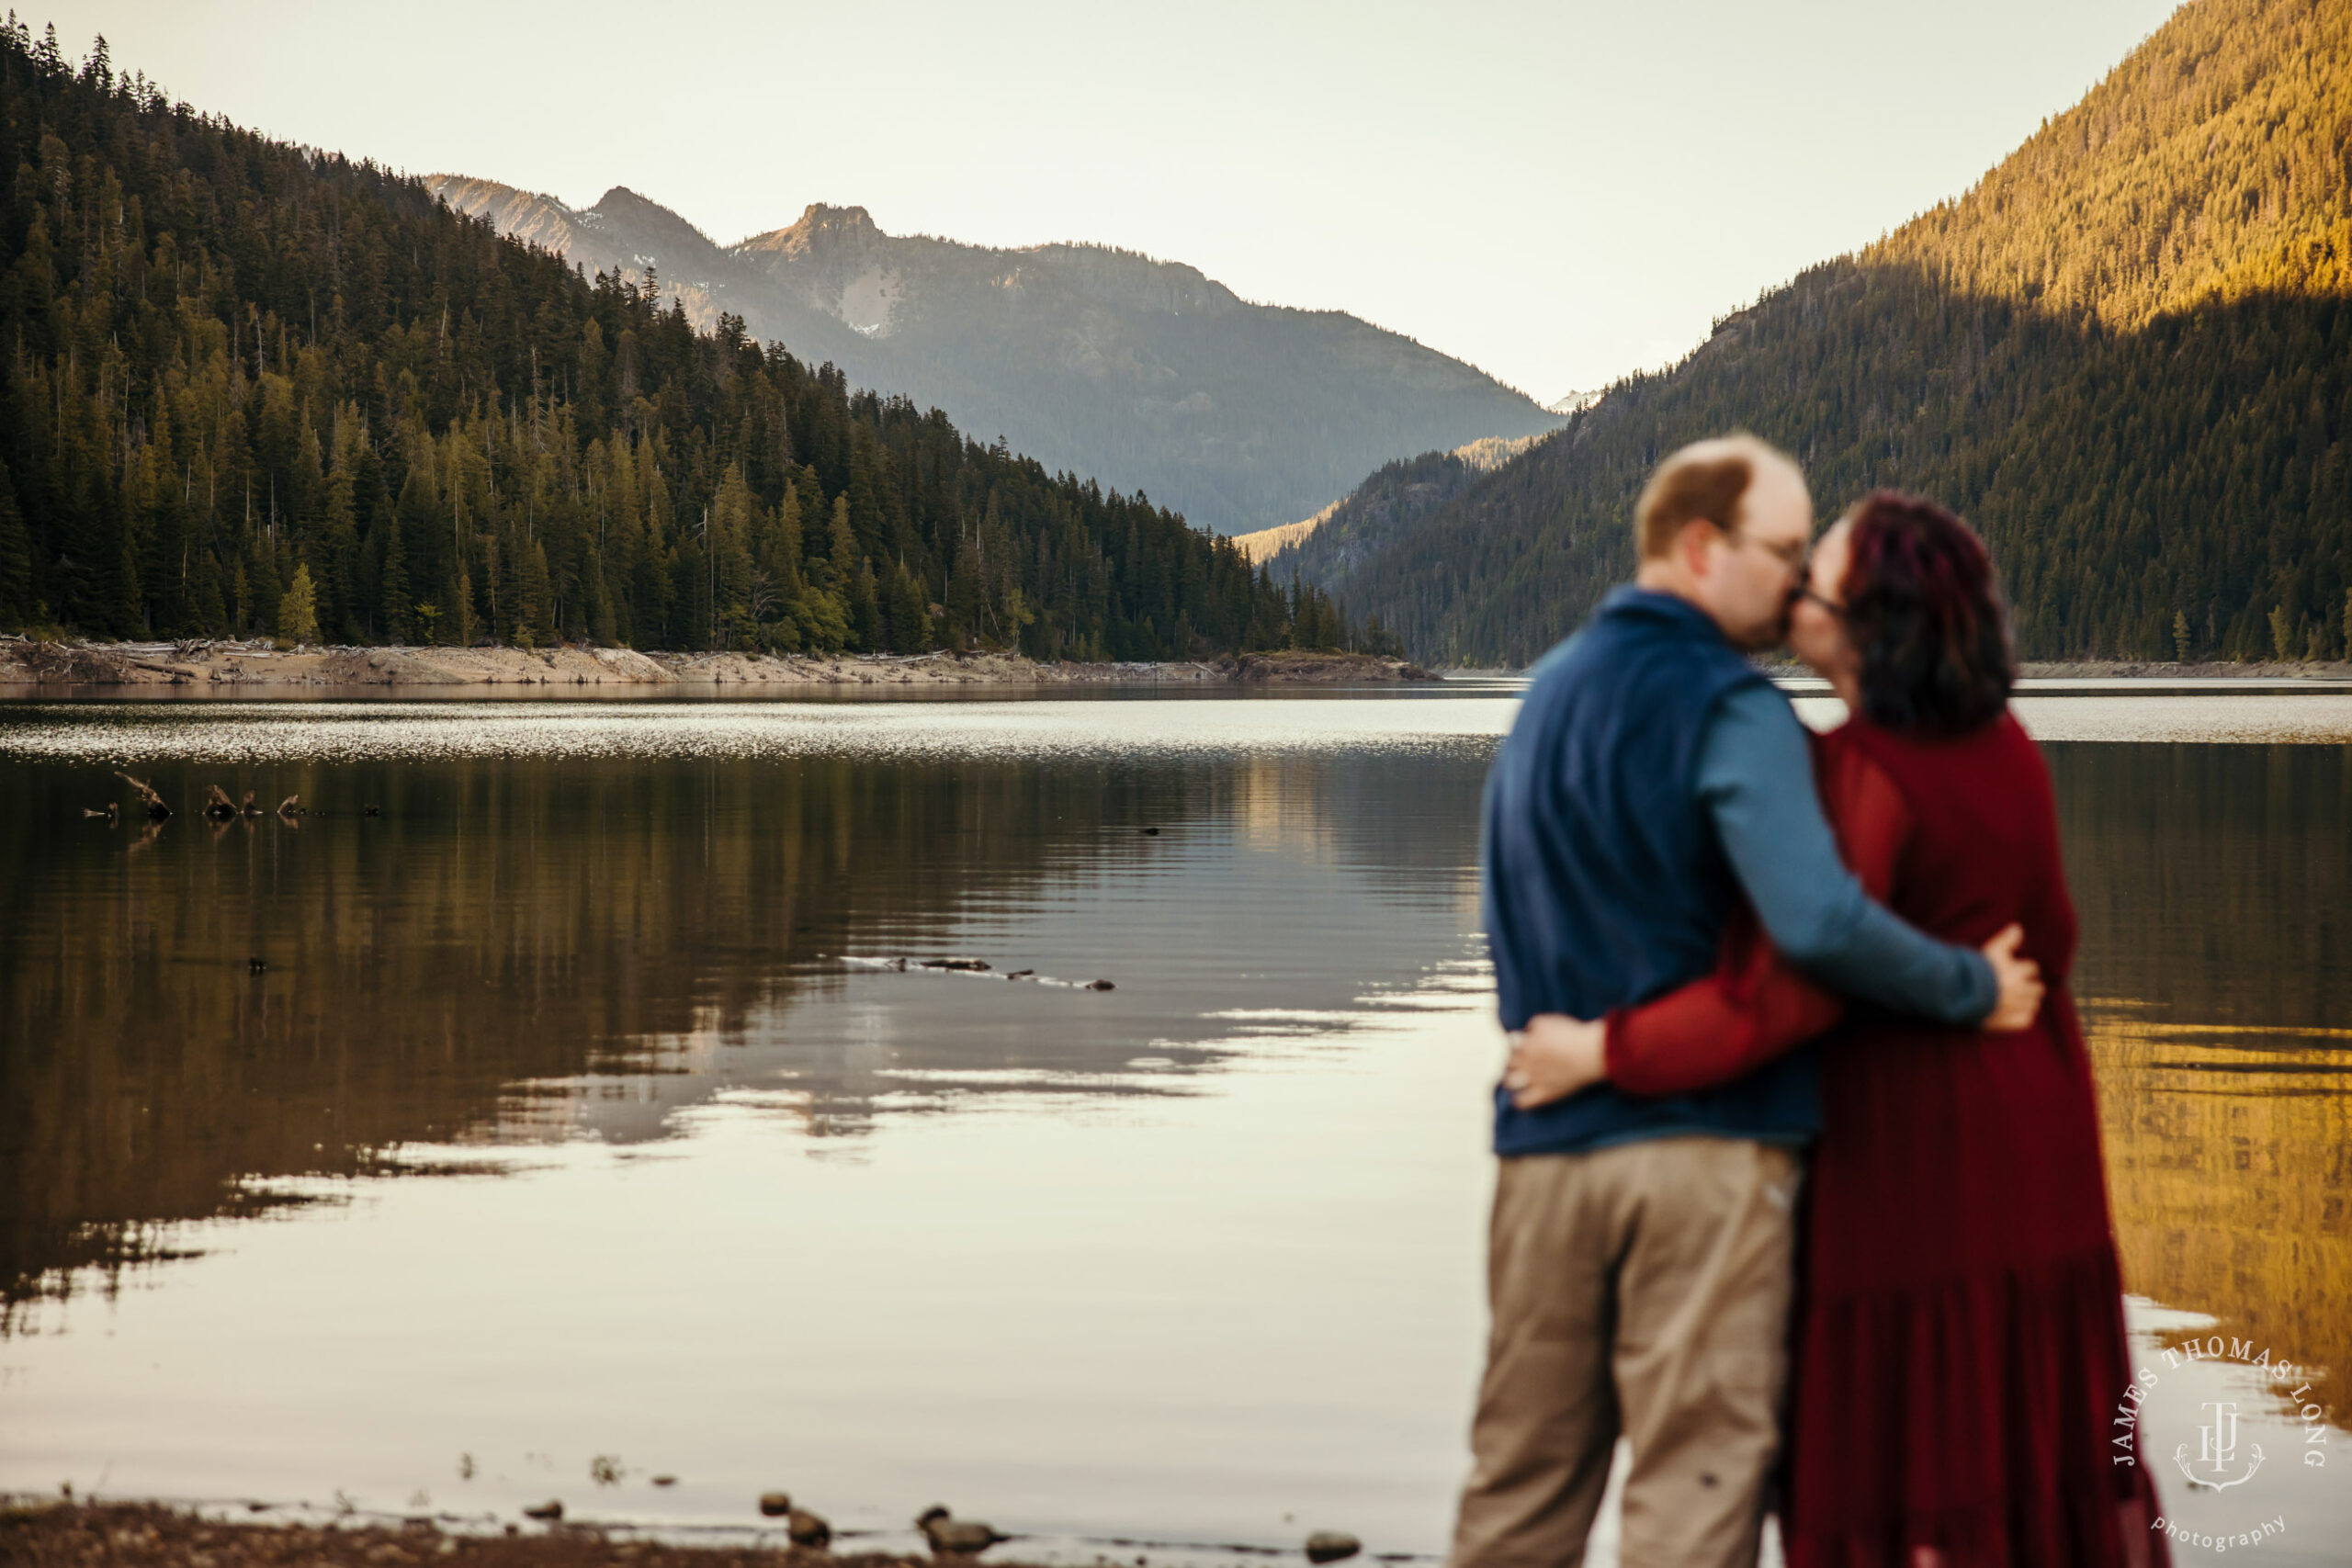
[[518, 949], [573, 928]]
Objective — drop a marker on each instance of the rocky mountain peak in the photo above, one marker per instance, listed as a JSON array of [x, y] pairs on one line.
[[822, 216], [821, 230], [1106, 361]]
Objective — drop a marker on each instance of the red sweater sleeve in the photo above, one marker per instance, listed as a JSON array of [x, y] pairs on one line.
[[1757, 1005]]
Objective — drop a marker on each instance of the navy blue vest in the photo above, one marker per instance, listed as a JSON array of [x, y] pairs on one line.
[[1605, 883]]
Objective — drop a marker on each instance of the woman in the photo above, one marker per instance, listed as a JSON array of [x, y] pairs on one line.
[[1960, 1350]]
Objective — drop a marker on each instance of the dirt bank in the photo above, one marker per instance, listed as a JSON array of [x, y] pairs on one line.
[[164, 669], [139, 1535]]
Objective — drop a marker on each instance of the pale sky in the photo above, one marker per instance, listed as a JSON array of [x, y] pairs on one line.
[[1557, 193]]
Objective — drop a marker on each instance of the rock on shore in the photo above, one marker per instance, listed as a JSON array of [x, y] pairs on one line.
[[160, 669]]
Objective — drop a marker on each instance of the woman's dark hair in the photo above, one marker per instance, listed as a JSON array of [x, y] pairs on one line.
[[1925, 611]]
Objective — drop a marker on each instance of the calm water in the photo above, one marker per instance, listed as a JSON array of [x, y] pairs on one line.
[[555, 1124]]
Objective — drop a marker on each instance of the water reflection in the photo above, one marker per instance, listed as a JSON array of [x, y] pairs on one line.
[[2214, 884], [521, 949], [892, 1235]]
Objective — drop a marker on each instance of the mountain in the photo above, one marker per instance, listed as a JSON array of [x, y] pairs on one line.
[[623, 233], [1401, 492], [635, 239], [256, 388], [1144, 374], [2126, 355]]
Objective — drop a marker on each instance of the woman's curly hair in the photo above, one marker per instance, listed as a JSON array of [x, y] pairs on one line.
[[1925, 611]]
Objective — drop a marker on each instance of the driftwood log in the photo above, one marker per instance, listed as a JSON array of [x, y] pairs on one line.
[[155, 806], [974, 967]]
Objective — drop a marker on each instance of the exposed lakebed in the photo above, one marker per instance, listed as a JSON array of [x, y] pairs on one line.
[[553, 1127]]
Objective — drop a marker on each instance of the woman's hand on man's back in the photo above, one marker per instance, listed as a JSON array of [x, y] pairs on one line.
[[1553, 1057], [2019, 1002]]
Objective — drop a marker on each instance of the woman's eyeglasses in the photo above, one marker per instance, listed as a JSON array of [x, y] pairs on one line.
[[1804, 590]]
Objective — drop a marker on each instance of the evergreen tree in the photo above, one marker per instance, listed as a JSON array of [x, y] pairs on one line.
[[16, 590], [337, 546], [207, 604], [267, 587], [393, 604], [2283, 633], [865, 607], [298, 613], [966, 598], [533, 609], [906, 611]]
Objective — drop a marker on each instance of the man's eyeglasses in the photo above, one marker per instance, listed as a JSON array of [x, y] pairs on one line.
[[1791, 554]]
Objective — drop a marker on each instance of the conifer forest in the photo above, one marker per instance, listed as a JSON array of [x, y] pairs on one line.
[[253, 389]]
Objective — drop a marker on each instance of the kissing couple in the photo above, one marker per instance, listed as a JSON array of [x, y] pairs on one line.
[[1799, 1180]]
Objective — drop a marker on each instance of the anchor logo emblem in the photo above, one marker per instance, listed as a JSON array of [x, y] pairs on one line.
[[2217, 1449]]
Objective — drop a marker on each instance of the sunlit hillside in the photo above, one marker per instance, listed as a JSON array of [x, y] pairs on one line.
[[2126, 355]]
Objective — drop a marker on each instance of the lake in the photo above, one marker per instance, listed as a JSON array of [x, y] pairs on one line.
[[545, 1113]]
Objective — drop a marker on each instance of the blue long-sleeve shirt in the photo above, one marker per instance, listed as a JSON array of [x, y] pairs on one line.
[[1622, 825], [1756, 777]]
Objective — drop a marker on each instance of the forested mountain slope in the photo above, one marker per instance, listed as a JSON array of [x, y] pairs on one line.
[[1397, 495], [1144, 374], [2126, 355], [255, 387]]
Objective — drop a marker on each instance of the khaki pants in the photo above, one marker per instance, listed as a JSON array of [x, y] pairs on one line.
[[1643, 1288]]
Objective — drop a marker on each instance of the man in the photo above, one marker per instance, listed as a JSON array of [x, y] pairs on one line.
[[1640, 1263]]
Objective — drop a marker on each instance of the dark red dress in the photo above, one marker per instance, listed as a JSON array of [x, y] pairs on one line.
[[1960, 1350]]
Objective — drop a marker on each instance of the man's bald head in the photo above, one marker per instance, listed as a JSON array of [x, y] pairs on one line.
[[1705, 482], [1723, 523]]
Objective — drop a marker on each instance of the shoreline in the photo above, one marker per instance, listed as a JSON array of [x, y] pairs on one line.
[[29, 667], [2211, 670], [53, 1533], [230, 668]]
